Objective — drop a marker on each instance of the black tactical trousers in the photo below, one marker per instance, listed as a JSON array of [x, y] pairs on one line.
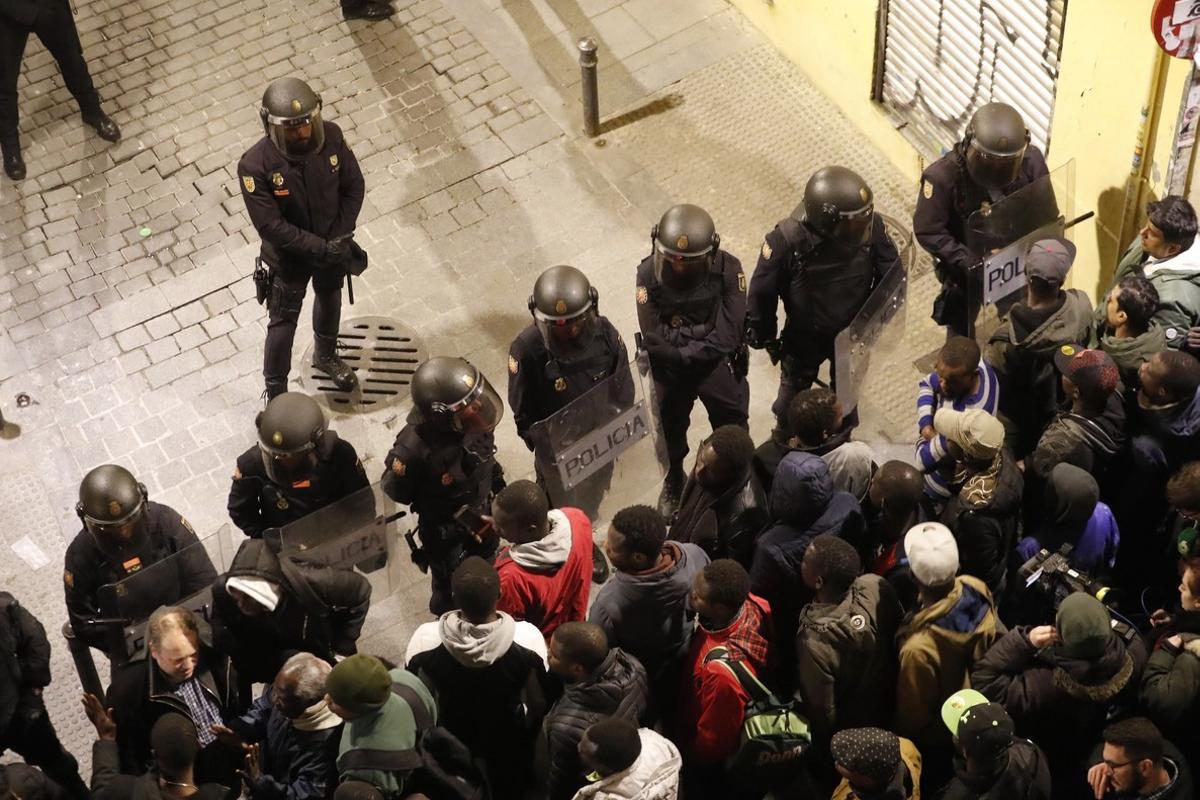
[[283, 306], [725, 396], [446, 545], [55, 27], [798, 368], [33, 738]]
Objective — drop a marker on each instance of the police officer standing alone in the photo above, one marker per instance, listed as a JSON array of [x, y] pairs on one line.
[[691, 303], [443, 465], [297, 467], [123, 534], [822, 261], [303, 190], [567, 350], [993, 160]]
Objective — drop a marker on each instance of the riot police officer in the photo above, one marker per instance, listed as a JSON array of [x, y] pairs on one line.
[[993, 160], [443, 464], [822, 261], [124, 534], [691, 303], [567, 350], [303, 190], [297, 467]]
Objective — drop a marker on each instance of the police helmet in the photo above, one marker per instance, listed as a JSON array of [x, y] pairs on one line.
[[565, 306], [685, 242], [291, 117], [994, 145], [292, 437], [838, 204], [112, 505], [453, 393]]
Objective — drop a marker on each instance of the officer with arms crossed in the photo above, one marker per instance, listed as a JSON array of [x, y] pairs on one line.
[[567, 350], [822, 261], [297, 467], [993, 160], [303, 190], [691, 303], [123, 534], [443, 466]]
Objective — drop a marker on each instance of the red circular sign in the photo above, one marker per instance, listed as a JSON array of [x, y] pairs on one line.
[[1176, 26]]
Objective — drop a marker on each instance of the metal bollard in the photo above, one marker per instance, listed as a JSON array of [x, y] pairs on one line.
[[591, 94]]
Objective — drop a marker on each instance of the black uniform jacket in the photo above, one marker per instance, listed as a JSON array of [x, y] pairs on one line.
[[701, 342], [24, 660], [88, 569], [947, 199], [297, 206], [257, 503], [321, 611], [540, 385], [437, 471]]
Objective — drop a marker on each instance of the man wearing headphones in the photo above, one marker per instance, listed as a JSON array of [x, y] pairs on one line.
[[993, 160], [125, 533], [297, 467], [822, 261], [567, 350], [691, 304], [443, 466]]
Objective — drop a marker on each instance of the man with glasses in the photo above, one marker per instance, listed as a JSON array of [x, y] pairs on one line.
[[1139, 763], [297, 467], [691, 304]]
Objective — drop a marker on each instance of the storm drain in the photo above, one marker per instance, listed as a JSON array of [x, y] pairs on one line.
[[384, 354]]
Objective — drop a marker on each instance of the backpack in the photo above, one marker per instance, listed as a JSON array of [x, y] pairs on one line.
[[439, 765], [774, 736]]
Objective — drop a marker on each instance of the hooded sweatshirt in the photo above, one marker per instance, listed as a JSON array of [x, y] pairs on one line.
[[1129, 354], [653, 776], [646, 614], [546, 582], [1074, 515]]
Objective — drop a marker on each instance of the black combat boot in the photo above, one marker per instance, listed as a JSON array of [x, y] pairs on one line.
[[273, 390], [325, 359], [668, 499], [14, 165]]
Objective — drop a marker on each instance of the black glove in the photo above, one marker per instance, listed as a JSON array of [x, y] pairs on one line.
[[662, 351], [753, 339], [337, 249]]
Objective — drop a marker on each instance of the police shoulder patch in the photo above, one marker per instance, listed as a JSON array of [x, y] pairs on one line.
[[927, 189], [643, 296], [248, 182], [560, 384], [183, 521], [399, 468], [447, 479], [741, 281], [766, 250], [513, 366], [237, 474], [68, 579]]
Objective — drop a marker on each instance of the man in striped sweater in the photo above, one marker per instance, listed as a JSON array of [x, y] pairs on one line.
[[960, 380]]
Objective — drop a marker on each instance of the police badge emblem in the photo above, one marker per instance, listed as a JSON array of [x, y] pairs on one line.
[[277, 438], [114, 508], [766, 250], [643, 296], [560, 385], [560, 307], [277, 178], [333, 161], [682, 241], [469, 380], [927, 189], [248, 182], [282, 504], [447, 479], [512, 365]]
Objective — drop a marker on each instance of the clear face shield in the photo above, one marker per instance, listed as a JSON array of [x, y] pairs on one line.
[[565, 338], [288, 468], [993, 170], [853, 230], [480, 411], [679, 272], [297, 137], [122, 537]]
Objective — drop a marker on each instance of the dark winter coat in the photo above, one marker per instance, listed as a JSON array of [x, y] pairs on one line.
[[616, 689], [846, 658], [30, 783], [1058, 701], [724, 525], [1170, 692], [1087, 442], [109, 782], [24, 661], [1023, 775], [1171, 435], [296, 764], [321, 611], [987, 534]]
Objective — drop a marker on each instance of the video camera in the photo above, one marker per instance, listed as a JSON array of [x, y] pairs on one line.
[[1052, 575]]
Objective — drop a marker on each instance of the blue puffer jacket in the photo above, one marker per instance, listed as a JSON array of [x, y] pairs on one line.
[[296, 765], [803, 505]]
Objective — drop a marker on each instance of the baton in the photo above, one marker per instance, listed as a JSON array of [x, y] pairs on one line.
[[1079, 219], [350, 287]]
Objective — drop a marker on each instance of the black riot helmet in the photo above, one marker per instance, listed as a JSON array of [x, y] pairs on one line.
[[291, 116], [291, 437], [112, 505], [838, 205], [565, 306], [453, 393], [994, 145], [685, 242]]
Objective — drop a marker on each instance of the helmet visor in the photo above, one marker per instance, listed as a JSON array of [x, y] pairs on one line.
[[481, 410], [680, 273], [286, 469], [568, 337], [122, 537], [993, 170], [853, 230], [298, 137]]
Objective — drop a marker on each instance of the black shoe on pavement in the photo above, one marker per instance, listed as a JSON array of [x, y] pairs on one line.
[[668, 499], [339, 371], [106, 129], [369, 10], [14, 165], [273, 390]]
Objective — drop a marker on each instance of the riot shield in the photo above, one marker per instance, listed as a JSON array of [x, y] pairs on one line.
[[1001, 234], [359, 532], [604, 450], [184, 578], [863, 345]]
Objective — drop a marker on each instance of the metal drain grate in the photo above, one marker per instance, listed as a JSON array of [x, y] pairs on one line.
[[384, 354]]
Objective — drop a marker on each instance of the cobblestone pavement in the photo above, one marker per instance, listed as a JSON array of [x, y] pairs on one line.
[[126, 310]]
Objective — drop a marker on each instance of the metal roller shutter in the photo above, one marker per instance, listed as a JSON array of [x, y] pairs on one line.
[[942, 59]]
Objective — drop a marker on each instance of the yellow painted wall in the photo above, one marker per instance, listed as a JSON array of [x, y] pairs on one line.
[[1107, 60]]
